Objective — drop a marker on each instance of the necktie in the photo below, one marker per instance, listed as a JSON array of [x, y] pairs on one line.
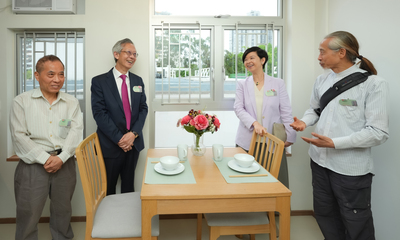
[[125, 102]]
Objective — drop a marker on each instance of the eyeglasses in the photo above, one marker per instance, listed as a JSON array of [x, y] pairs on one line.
[[131, 53]]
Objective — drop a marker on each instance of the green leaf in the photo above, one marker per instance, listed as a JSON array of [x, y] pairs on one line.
[[190, 129]]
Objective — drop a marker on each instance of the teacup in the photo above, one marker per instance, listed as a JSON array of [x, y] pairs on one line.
[[244, 160], [218, 152], [182, 152], [169, 163]]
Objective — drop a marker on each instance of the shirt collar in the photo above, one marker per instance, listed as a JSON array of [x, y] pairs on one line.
[[37, 93], [347, 72], [117, 73]]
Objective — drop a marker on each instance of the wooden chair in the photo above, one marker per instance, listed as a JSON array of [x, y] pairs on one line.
[[115, 216], [250, 222]]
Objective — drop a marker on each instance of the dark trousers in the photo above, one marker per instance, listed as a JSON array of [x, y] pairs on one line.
[[342, 204], [124, 167], [32, 186]]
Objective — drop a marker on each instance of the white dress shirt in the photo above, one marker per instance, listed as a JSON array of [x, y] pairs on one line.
[[353, 129], [35, 126], [118, 80]]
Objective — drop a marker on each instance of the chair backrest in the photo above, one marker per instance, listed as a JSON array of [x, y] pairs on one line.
[[267, 149], [93, 174]]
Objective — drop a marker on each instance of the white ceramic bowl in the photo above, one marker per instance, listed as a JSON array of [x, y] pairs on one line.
[[244, 160], [169, 163]]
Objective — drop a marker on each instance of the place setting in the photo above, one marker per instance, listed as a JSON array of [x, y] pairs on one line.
[[240, 168], [170, 169], [169, 165]]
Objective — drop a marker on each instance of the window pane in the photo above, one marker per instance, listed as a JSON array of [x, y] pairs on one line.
[[182, 64], [214, 8], [39, 44], [235, 46]]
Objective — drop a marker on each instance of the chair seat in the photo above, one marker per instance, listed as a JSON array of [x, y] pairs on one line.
[[119, 216], [236, 219]]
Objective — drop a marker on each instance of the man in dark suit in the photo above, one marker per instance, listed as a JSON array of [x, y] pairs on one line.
[[119, 109]]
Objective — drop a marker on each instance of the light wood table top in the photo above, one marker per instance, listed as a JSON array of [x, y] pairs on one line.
[[212, 193]]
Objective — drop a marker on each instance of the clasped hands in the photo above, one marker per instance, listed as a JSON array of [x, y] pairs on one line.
[[126, 142], [319, 141], [53, 164]]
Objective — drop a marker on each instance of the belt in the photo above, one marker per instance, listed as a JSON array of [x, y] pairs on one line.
[[55, 152]]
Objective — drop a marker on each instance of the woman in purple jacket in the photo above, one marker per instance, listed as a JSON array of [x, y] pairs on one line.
[[261, 101]]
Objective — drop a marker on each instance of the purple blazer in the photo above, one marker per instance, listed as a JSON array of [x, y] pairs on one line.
[[274, 108]]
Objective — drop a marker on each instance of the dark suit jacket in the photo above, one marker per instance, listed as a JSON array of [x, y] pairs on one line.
[[109, 114]]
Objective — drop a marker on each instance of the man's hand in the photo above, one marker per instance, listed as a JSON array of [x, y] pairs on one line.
[[320, 141], [53, 164], [260, 130], [298, 125], [126, 142]]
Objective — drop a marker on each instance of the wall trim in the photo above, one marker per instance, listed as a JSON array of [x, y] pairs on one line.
[[168, 216]]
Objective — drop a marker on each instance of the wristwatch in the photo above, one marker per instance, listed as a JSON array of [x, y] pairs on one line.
[[136, 134]]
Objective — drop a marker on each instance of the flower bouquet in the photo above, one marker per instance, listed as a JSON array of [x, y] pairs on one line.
[[198, 123]]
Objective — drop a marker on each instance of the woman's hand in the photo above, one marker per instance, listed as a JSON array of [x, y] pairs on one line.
[[260, 130], [287, 144]]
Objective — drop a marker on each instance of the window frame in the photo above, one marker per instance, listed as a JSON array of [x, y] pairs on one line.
[[217, 101]]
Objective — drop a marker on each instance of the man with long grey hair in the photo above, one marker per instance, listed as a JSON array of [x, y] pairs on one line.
[[119, 109], [349, 104]]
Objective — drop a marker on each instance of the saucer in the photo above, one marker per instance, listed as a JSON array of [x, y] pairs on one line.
[[158, 168], [252, 169]]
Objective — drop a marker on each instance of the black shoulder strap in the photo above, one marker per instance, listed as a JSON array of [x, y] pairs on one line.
[[339, 87]]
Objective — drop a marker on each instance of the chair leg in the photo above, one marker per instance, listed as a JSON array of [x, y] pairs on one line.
[[252, 237], [272, 226], [199, 225], [214, 233]]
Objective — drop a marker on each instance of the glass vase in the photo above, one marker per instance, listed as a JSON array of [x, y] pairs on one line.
[[198, 148]]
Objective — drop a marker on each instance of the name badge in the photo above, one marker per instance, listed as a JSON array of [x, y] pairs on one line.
[[137, 89], [65, 123], [348, 102], [271, 93]]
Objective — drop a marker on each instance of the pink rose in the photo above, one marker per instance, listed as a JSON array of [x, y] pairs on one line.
[[192, 122], [200, 122], [185, 120], [217, 123]]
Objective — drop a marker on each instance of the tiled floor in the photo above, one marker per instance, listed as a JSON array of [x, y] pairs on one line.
[[302, 227]]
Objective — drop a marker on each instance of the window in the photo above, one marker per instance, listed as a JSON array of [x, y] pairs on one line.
[[237, 41], [216, 8], [196, 61], [68, 46], [182, 64]]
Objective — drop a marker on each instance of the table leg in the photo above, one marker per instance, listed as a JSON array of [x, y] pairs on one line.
[[284, 218], [149, 209]]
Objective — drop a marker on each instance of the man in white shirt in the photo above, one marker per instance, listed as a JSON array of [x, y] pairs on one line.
[[46, 126], [340, 149]]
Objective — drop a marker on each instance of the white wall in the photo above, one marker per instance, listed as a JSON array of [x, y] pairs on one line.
[[301, 69], [374, 24]]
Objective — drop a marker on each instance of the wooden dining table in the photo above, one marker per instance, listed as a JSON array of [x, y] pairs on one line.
[[212, 194]]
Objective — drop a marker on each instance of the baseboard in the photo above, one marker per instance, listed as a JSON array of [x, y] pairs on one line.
[[43, 219], [168, 216], [302, 213]]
